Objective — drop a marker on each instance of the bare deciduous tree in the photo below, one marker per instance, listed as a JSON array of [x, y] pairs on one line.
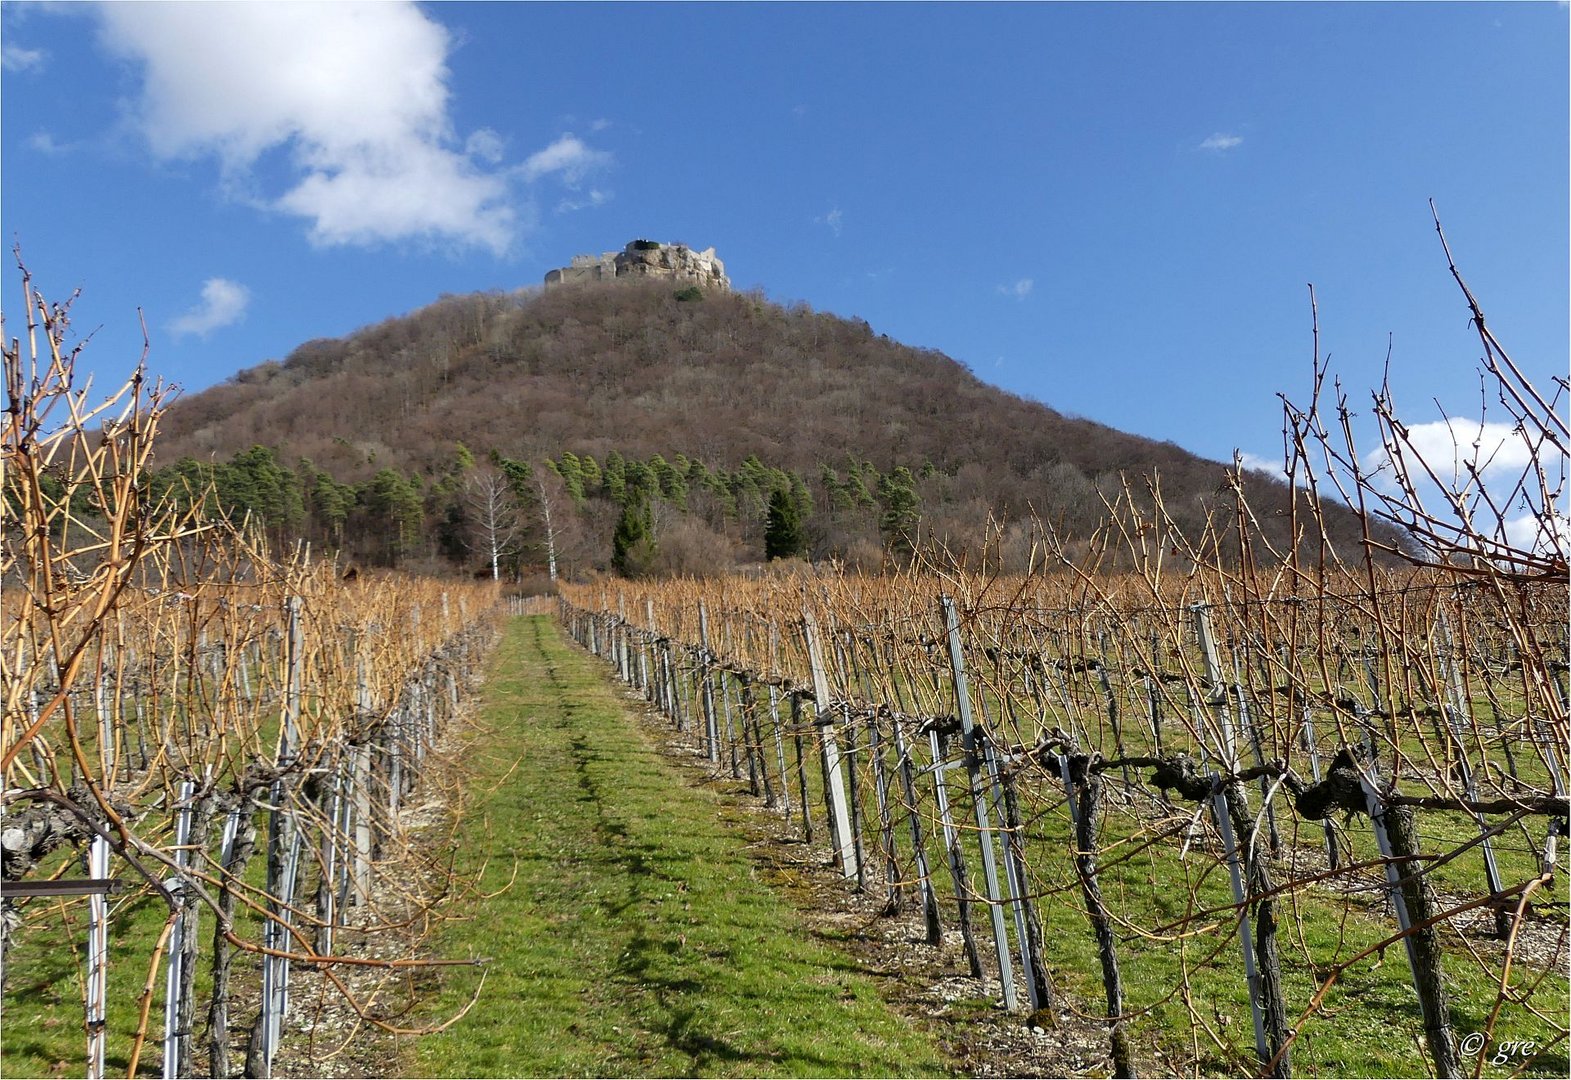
[[549, 526], [488, 495]]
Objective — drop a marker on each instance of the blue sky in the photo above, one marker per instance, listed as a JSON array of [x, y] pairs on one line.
[[1114, 209]]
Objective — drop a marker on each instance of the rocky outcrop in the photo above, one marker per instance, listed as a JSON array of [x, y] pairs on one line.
[[646, 258]]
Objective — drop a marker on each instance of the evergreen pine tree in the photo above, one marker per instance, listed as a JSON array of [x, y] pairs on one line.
[[783, 534], [897, 493], [632, 545]]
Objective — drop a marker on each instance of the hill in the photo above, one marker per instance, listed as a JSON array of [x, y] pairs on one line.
[[708, 400]]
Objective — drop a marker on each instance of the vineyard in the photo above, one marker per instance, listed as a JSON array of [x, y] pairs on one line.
[[214, 756], [1234, 800]]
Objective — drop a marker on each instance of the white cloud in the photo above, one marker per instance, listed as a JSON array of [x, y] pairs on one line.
[[1221, 141], [599, 125], [355, 92], [1501, 506], [1261, 464], [223, 304], [1019, 290], [1552, 534], [18, 59], [1448, 446], [835, 219], [569, 157]]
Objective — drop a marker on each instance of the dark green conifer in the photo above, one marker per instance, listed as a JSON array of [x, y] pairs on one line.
[[632, 545], [784, 537]]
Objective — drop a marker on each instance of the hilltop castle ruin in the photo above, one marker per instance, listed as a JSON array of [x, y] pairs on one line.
[[646, 258]]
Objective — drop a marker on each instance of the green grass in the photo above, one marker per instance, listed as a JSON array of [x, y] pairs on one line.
[[635, 939], [42, 1030], [1370, 1023]]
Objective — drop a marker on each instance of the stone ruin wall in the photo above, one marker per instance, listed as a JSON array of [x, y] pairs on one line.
[[642, 258]]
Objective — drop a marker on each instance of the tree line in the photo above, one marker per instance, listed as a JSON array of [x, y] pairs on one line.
[[572, 514]]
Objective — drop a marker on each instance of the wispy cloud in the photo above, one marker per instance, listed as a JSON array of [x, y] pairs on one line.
[[223, 304], [45, 143], [486, 145], [834, 219], [593, 199], [19, 59], [355, 93], [569, 158], [1019, 290], [1221, 141]]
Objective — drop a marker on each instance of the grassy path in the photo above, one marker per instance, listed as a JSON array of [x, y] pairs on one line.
[[635, 939]]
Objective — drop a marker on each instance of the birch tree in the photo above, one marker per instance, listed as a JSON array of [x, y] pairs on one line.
[[488, 495]]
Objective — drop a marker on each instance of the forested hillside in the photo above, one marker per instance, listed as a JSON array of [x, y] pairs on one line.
[[655, 426]]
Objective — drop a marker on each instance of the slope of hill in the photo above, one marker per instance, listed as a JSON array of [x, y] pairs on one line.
[[638, 369]]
